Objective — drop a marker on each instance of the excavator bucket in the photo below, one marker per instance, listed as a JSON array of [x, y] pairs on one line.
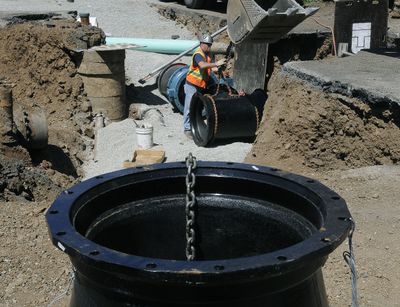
[[264, 20]]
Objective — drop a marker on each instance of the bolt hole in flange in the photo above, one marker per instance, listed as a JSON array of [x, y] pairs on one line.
[[151, 266], [219, 267], [247, 223]]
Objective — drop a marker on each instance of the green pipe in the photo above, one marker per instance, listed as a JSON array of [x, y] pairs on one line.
[[167, 46]]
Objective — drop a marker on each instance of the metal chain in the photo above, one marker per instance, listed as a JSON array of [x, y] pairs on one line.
[[350, 260], [230, 91], [257, 118], [215, 113], [27, 126], [221, 76], [59, 297], [191, 164]]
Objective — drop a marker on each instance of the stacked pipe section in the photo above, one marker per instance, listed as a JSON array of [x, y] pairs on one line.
[[103, 74]]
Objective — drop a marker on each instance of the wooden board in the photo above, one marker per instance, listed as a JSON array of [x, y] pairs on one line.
[[145, 157]]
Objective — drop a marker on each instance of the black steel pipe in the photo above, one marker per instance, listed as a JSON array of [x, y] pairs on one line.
[[225, 117], [262, 237]]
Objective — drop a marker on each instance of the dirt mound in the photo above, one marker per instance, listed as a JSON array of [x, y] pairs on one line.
[[304, 127], [39, 61]]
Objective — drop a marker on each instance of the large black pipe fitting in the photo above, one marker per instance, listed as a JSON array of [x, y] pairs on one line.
[[171, 83], [262, 237], [225, 117]]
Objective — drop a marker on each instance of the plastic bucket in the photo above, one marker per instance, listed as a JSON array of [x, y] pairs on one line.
[[144, 136]]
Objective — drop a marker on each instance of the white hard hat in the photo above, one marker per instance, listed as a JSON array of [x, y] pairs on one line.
[[206, 39]]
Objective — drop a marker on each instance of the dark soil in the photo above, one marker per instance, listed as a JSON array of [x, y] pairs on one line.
[[38, 60]]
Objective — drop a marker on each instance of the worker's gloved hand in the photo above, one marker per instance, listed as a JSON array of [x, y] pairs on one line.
[[225, 74], [221, 62]]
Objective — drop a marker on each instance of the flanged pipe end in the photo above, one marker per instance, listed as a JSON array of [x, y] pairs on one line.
[[263, 236]]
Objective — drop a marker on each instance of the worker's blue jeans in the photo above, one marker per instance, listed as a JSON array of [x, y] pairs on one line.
[[190, 90]]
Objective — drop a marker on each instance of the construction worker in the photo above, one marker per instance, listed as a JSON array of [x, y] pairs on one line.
[[198, 77]]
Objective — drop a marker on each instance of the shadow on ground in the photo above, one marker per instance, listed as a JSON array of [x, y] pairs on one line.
[[222, 142], [144, 95], [59, 160]]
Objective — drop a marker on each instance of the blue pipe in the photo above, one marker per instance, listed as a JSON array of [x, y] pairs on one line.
[[175, 94], [167, 46]]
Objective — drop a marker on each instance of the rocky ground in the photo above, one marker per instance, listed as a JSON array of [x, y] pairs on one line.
[[337, 140]]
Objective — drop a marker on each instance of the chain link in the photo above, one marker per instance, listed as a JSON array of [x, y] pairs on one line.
[[221, 75], [215, 113], [258, 121], [27, 126], [191, 164], [58, 298], [350, 260]]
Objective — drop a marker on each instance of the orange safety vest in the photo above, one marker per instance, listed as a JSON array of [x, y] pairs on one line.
[[196, 76]]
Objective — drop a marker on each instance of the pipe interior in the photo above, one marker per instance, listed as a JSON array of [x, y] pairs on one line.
[[227, 228], [235, 218]]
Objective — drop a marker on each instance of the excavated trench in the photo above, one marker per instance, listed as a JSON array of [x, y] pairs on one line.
[[305, 128], [38, 64]]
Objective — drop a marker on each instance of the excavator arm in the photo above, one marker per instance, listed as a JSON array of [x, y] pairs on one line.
[[264, 20]]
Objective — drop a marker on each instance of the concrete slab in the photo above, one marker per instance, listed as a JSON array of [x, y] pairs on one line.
[[369, 76]]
